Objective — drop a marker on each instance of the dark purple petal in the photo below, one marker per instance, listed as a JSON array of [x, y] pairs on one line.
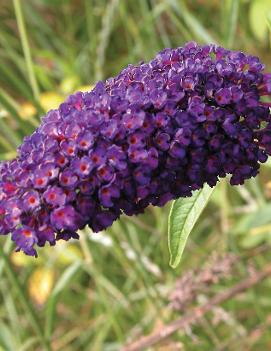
[[25, 238], [65, 217], [31, 200]]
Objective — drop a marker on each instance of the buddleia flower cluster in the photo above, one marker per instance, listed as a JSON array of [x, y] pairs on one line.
[[156, 132]]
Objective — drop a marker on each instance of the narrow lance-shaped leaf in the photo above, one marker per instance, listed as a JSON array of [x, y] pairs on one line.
[[183, 216]]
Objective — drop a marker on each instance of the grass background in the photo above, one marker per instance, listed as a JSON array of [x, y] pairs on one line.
[[107, 289]]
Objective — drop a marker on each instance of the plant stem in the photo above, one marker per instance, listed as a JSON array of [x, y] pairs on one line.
[[198, 312], [26, 48]]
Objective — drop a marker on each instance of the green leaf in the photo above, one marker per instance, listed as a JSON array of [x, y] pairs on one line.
[[260, 10], [183, 216], [6, 338]]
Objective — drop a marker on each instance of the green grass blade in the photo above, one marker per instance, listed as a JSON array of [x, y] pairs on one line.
[[28, 344], [13, 79], [6, 146], [7, 249], [51, 304], [6, 338], [107, 25], [232, 22], [9, 134], [23, 126], [10, 105], [26, 47], [191, 21], [31, 314]]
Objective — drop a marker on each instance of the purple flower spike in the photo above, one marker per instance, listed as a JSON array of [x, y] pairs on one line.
[[156, 132]]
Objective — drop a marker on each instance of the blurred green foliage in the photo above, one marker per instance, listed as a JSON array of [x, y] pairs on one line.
[[106, 289]]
